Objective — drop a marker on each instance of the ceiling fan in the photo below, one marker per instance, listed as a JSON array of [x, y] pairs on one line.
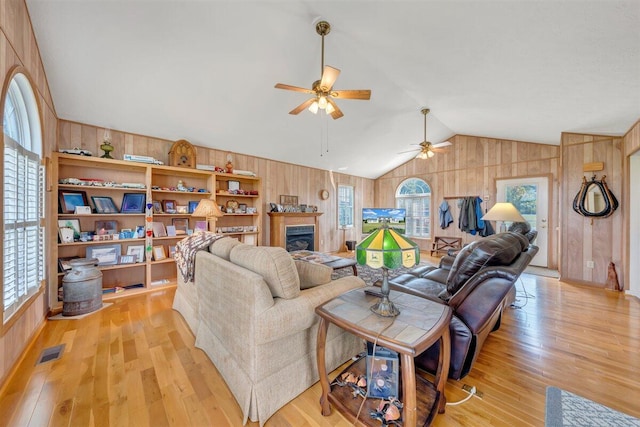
[[322, 90], [427, 149]]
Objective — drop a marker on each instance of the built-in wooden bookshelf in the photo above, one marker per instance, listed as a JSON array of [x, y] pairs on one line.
[[86, 181]]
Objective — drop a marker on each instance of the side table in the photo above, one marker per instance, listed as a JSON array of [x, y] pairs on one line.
[[420, 324]]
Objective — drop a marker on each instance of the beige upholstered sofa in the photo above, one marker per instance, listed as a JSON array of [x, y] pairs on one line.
[[251, 309]]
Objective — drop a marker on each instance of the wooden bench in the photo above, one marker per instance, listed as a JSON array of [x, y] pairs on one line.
[[443, 244]]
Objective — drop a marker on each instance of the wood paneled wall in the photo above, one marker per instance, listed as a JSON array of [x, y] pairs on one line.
[[632, 140], [470, 167], [18, 47], [278, 178], [631, 146], [584, 239]]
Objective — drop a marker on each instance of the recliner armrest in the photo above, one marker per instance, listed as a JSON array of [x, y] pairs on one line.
[[446, 262]]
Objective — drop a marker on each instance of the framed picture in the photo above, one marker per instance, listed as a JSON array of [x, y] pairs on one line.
[[169, 206], [192, 207], [128, 259], [181, 209], [201, 226], [83, 210], [74, 224], [242, 208], [63, 263], [158, 229], [289, 200], [137, 251], [104, 204], [69, 199], [159, 253], [234, 185], [172, 251], [106, 227], [171, 231], [66, 234], [157, 207], [106, 255], [133, 203], [181, 225]]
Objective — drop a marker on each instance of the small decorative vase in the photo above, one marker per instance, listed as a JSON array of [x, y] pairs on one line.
[[229, 166]]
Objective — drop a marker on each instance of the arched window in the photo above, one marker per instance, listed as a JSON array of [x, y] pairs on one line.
[[23, 247], [414, 195]]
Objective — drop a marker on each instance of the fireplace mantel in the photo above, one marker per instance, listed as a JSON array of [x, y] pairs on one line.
[[278, 221]]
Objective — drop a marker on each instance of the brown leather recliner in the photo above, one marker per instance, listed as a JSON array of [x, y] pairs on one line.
[[477, 285]]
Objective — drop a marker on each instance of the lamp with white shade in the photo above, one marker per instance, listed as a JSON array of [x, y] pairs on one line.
[[209, 209], [503, 212]]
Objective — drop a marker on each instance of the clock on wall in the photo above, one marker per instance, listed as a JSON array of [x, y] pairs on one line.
[[182, 154]]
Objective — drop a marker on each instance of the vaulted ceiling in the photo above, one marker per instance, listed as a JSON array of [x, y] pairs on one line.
[[205, 71]]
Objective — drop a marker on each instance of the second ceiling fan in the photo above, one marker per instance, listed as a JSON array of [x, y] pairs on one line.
[[322, 90], [427, 149]]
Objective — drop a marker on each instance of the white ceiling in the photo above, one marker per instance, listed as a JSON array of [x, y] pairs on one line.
[[205, 70]]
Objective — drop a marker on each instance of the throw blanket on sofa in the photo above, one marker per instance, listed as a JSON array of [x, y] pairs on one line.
[[186, 252]]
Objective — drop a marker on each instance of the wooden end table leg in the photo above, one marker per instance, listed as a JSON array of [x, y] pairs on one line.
[[355, 270], [409, 414], [322, 367], [443, 368]]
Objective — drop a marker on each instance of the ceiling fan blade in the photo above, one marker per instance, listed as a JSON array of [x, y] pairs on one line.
[[293, 88], [363, 94], [302, 106], [410, 151], [337, 112], [329, 76], [439, 149], [441, 144]]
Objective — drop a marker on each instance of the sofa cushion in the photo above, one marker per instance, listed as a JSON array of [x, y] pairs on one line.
[[498, 249], [275, 265], [222, 247]]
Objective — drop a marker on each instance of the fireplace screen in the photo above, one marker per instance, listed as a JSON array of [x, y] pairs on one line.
[[300, 237]]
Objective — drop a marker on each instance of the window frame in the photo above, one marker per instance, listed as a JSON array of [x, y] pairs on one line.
[[410, 217], [19, 88], [346, 206]]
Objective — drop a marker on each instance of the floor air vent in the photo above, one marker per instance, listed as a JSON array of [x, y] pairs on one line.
[[51, 353]]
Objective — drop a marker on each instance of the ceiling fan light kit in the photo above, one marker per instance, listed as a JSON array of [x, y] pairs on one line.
[[322, 90]]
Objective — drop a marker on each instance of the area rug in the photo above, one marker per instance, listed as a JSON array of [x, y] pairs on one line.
[[370, 275], [565, 409]]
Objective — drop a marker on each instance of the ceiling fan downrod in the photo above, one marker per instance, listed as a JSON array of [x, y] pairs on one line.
[[323, 28]]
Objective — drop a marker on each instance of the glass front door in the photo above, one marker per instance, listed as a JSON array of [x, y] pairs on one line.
[[531, 197]]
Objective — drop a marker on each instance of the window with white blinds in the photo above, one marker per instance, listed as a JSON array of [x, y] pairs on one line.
[[23, 247], [345, 206], [414, 195]]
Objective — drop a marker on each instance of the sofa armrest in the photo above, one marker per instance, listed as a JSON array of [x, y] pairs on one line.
[[288, 316], [312, 274]]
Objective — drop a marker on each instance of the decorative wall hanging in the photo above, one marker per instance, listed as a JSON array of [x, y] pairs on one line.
[[595, 199]]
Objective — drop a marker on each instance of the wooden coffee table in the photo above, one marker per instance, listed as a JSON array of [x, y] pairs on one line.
[[420, 324]]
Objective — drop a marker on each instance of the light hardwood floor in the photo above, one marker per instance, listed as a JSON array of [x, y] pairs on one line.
[[134, 363]]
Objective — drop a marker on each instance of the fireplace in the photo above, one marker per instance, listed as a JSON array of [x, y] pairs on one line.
[[299, 237], [294, 230]]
